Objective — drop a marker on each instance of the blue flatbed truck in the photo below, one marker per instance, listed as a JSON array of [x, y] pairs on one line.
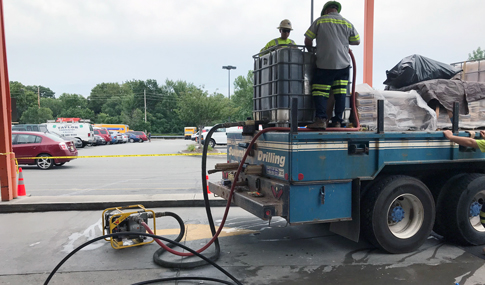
[[393, 188]]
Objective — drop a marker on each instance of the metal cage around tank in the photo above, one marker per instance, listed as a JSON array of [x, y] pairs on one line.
[[281, 73]]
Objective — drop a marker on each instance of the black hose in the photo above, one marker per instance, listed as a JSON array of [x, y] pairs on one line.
[[184, 265], [183, 278], [141, 234], [217, 251]]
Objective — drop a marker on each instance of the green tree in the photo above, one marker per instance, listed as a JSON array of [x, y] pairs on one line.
[[54, 104], [101, 93], [45, 92], [83, 113], [243, 97], [149, 87], [102, 118], [113, 107], [36, 115], [196, 107], [25, 98], [73, 101], [75, 106], [477, 54]]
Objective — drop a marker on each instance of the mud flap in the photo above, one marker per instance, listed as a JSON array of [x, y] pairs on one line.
[[350, 229]]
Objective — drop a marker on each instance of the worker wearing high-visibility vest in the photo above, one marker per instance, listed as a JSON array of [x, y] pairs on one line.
[[285, 29], [333, 34]]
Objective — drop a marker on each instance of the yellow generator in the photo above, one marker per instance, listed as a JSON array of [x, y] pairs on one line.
[[126, 219]]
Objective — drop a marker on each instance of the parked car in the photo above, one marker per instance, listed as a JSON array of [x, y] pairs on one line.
[[219, 137], [133, 138], [142, 135], [204, 130], [98, 140], [117, 136], [194, 136], [114, 138], [124, 138], [30, 127], [42, 145], [102, 132]]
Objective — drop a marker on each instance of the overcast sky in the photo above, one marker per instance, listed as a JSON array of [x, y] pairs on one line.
[[72, 45]]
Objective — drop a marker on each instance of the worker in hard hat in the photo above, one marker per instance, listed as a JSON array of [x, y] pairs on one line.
[[285, 29], [333, 35]]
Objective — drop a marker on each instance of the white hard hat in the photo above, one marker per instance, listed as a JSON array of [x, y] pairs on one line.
[[285, 24]]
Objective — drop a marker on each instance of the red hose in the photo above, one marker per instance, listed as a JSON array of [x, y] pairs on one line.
[[277, 129], [352, 98], [229, 199]]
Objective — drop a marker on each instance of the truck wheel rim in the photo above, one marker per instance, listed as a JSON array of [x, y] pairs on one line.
[[474, 218], [405, 216]]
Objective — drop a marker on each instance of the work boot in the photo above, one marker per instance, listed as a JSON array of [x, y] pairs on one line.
[[337, 124], [319, 123]]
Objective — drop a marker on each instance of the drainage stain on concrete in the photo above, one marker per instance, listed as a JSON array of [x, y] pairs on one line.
[[200, 231]]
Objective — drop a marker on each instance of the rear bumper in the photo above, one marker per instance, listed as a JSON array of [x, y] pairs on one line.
[[262, 207], [60, 160]]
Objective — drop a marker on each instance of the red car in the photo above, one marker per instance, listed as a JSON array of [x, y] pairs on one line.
[[102, 132], [142, 135], [43, 145]]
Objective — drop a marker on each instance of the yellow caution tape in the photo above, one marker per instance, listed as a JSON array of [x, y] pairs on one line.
[[125, 155], [16, 162]]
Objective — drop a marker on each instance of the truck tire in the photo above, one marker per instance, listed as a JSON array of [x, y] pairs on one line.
[[460, 209], [398, 214], [212, 143], [439, 187]]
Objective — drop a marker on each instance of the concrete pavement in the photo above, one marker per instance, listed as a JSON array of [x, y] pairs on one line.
[[252, 250]]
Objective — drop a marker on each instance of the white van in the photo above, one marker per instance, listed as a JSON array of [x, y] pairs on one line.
[[220, 135], [82, 131]]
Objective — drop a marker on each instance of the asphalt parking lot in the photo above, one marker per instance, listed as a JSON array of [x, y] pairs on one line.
[[123, 175]]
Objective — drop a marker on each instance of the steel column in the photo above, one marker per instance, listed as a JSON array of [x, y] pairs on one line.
[[7, 158], [368, 41]]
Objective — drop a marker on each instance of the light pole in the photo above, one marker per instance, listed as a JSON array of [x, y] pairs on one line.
[[229, 67]]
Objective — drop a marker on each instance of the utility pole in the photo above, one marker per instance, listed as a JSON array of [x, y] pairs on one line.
[[145, 99], [38, 95]]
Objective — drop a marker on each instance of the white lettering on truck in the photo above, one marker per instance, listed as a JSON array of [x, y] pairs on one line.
[[269, 157]]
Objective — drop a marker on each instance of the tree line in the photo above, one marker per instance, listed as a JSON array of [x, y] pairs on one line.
[[169, 107]]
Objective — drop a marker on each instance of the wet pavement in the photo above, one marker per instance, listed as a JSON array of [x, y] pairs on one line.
[[252, 251]]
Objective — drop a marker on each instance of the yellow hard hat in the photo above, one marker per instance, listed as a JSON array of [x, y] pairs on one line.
[[285, 24], [331, 3]]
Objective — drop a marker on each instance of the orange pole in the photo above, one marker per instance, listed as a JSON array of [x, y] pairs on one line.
[[368, 41], [7, 167]]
